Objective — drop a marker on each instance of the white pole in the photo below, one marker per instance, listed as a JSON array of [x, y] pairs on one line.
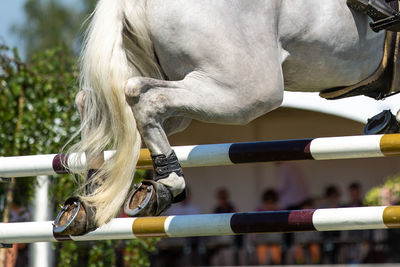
[[339, 219], [41, 253], [324, 148]]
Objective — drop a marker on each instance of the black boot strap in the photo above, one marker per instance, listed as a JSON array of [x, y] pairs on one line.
[[164, 166]]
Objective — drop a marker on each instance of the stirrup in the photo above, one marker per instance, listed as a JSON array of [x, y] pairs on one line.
[[383, 15], [391, 23]]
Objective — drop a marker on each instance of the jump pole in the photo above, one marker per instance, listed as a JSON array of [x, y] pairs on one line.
[[324, 148], [360, 218]]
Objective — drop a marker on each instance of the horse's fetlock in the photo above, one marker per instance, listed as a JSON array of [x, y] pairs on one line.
[[175, 183]]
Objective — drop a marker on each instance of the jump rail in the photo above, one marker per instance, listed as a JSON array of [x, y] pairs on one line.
[[215, 224], [325, 148]]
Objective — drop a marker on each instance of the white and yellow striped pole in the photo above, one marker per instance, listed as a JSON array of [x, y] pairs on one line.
[[360, 218], [325, 148]]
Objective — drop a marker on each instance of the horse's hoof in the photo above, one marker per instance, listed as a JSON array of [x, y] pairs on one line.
[[382, 123], [75, 218], [149, 198]]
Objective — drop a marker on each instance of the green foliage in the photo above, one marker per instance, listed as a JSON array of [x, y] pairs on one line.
[[37, 116], [36, 107], [137, 249], [106, 253], [386, 194]]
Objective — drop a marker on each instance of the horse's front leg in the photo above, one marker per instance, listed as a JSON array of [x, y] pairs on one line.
[[152, 197], [200, 97]]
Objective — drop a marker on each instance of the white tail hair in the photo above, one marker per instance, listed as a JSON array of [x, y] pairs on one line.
[[117, 46]]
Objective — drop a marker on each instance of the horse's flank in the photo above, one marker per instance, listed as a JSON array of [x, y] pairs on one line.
[[225, 61], [322, 44]]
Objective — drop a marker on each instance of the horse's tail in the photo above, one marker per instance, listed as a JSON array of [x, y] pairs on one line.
[[117, 46]]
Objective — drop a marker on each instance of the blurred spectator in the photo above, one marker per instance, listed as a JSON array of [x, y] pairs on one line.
[[331, 239], [332, 197], [306, 248], [385, 243], [224, 249], [18, 254], [293, 189], [354, 243], [180, 251], [355, 195], [268, 246], [186, 207], [223, 203], [292, 186]]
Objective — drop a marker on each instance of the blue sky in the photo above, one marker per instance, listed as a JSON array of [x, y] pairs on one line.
[[11, 11]]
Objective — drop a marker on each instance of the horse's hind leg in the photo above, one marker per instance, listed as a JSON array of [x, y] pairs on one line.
[[64, 225], [236, 97]]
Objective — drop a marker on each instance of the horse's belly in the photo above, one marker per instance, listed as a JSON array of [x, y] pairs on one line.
[[327, 46], [315, 70]]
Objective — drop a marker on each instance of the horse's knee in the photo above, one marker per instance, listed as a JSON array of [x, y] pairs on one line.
[[150, 109], [136, 86], [133, 87]]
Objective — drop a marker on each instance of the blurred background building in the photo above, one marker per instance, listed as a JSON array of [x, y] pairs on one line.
[[298, 184], [247, 182]]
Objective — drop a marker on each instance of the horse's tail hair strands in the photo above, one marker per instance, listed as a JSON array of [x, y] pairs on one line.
[[109, 58]]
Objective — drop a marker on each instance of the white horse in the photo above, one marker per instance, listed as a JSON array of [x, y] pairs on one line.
[[150, 66]]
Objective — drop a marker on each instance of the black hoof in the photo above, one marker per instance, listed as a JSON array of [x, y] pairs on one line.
[[75, 218], [149, 198]]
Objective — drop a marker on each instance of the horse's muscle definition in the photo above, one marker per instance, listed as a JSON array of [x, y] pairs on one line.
[[149, 67]]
